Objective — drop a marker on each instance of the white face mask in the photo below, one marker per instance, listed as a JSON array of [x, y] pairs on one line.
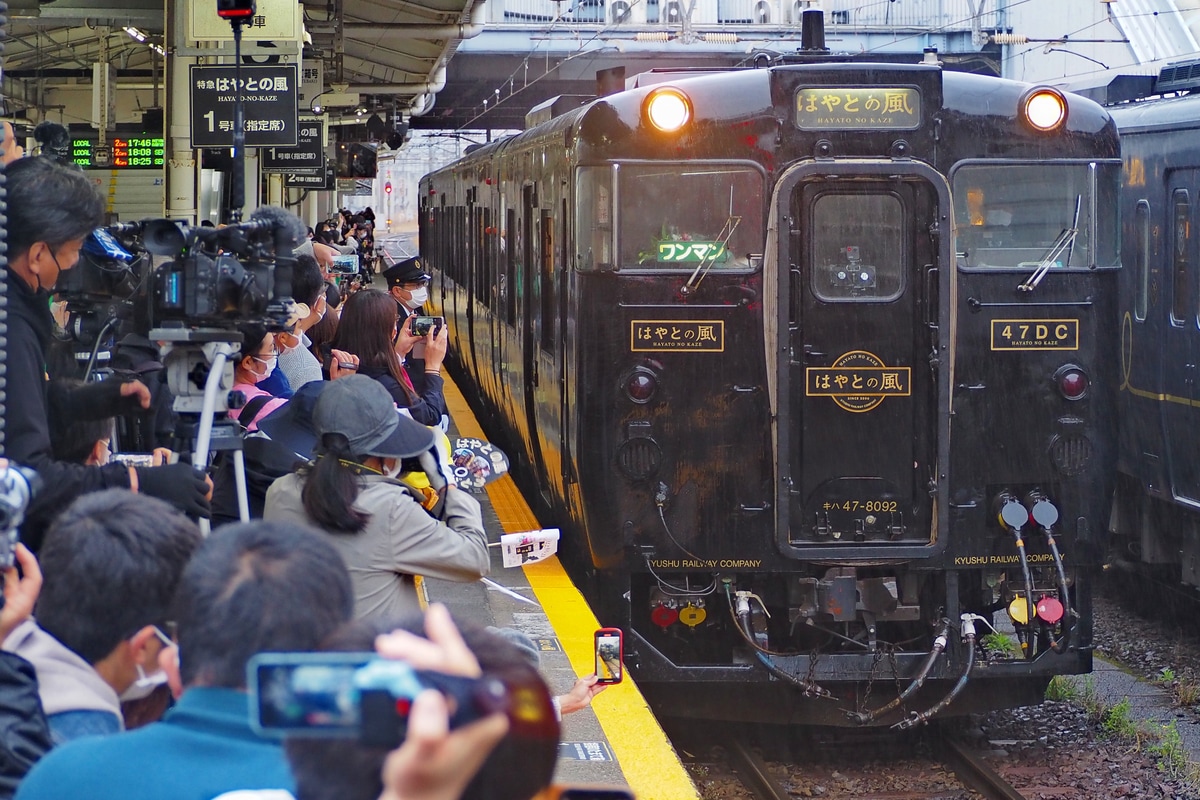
[[392, 471], [419, 296], [144, 685], [269, 363]]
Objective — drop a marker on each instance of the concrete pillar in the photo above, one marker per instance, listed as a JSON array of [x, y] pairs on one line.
[[275, 191], [183, 165], [253, 185]]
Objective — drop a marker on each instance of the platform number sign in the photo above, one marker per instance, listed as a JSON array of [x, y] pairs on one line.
[[269, 97]]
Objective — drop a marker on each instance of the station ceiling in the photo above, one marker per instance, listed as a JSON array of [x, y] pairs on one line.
[[420, 57]]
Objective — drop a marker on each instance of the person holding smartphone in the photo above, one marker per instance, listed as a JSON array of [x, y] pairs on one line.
[[408, 285]]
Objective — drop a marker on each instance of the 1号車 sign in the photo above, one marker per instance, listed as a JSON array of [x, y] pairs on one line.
[[308, 154], [269, 96]]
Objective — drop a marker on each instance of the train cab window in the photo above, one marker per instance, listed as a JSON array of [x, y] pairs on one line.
[[1013, 216], [1181, 254], [593, 219], [857, 247], [688, 216], [1141, 225]]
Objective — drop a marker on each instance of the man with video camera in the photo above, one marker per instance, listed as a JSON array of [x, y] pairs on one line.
[[51, 209]]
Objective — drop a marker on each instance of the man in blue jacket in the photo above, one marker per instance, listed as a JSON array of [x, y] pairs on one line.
[[249, 588]]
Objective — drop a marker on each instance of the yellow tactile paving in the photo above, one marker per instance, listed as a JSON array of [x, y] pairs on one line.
[[646, 757]]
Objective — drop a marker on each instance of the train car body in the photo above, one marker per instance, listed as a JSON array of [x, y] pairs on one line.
[[786, 373], [1156, 517]]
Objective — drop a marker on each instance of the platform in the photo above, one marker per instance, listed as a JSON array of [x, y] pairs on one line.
[[617, 742]]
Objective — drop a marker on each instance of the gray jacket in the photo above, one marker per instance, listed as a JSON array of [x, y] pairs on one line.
[[400, 540]]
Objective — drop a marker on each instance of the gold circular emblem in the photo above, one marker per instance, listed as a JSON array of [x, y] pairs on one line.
[[851, 402]]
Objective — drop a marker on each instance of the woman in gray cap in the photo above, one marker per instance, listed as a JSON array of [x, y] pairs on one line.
[[379, 525]]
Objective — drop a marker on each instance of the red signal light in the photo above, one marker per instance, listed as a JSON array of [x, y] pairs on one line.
[[387, 188]]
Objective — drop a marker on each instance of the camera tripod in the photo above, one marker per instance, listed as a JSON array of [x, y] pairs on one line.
[[202, 357]]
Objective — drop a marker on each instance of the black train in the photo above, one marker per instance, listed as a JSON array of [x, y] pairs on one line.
[[1156, 514], [814, 365]]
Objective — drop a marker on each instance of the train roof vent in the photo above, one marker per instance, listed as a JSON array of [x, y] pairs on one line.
[[554, 107], [1180, 77]]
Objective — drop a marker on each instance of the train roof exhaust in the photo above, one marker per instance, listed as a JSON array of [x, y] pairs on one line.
[[812, 31]]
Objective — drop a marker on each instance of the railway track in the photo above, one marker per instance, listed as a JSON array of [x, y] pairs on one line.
[[939, 767]]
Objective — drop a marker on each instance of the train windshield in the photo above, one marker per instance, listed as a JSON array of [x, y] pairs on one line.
[[684, 216], [1025, 216]]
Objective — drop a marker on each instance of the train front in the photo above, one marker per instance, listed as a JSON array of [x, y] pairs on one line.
[[776, 252]]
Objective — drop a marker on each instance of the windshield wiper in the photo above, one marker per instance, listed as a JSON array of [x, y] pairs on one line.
[[1064, 242]]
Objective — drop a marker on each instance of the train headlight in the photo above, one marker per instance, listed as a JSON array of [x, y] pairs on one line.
[[1072, 382], [1044, 109], [667, 109]]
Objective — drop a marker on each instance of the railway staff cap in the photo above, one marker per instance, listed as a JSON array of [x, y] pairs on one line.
[[410, 270], [360, 409]]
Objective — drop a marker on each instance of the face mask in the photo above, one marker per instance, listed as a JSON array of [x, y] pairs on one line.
[[419, 296], [269, 363], [144, 685], [394, 470]]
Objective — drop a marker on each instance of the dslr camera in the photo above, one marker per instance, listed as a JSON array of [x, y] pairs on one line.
[[17, 487], [355, 695]]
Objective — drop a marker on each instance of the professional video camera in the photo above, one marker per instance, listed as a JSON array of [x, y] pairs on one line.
[[103, 290], [215, 278], [222, 276]]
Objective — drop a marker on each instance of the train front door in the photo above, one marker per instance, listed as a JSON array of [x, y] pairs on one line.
[[866, 323]]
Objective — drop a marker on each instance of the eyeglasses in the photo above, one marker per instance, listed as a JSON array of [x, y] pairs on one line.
[[167, 641]]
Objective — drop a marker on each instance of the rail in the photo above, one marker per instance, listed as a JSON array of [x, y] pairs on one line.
[[752, 771], [975, 773]]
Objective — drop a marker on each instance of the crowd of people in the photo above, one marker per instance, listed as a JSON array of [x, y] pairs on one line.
[[125, 633]]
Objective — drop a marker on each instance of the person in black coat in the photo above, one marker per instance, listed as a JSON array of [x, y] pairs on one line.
[[51, 210], [367, 328]]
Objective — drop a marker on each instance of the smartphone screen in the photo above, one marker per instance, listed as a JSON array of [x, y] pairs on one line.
[[609, 652], [305, 694], [345, 265]]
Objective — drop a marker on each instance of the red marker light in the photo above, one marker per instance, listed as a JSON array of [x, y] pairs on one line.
[[1050, 609], [1072, 382], [641, 386], [403, 706], [663, 616]]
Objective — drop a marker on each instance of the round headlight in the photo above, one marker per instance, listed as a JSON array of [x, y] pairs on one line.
[[1044, 109], [668, 109]]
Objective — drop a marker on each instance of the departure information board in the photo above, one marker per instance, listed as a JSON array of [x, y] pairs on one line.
[[121, 152]]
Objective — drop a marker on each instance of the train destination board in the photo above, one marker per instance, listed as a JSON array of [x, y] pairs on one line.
[[132, 152], [835, 108]]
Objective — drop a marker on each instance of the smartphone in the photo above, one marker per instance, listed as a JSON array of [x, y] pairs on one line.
[[421, 326], [134, 459], [610, 651], [345, 265], [354, 695]]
